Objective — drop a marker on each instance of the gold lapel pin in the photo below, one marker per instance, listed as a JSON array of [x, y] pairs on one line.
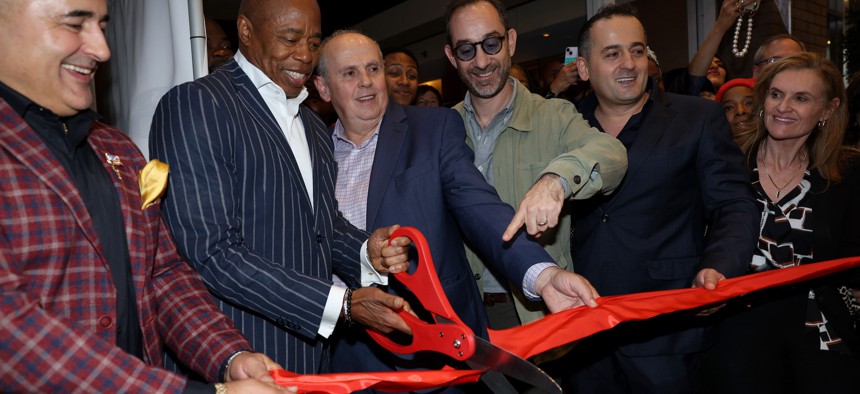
[[114, 162]]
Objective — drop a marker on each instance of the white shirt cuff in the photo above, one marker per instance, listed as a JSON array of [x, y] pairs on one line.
[[370, 276], [331, 312]]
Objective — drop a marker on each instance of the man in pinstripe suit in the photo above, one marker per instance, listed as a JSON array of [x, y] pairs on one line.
[[92, 289], [251, 202]]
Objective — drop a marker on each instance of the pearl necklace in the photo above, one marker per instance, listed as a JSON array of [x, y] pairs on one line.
[[735, 50]]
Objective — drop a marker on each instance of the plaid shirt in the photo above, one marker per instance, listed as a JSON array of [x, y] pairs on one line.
[[57, 299]]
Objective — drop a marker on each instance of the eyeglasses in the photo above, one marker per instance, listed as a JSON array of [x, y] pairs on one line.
[[768, 61], [467, 51]]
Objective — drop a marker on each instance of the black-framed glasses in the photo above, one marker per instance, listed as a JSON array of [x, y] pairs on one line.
[[768, 61], [466, 51]]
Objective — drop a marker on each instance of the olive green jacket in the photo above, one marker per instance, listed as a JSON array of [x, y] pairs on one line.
[[550, 136]]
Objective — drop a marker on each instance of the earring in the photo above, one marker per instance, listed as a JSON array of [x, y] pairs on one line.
[[821, 124], [761, 113]]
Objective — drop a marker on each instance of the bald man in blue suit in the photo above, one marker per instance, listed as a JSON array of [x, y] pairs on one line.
[[411, 165]]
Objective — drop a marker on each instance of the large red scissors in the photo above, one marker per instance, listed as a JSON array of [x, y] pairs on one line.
[[447, 334]]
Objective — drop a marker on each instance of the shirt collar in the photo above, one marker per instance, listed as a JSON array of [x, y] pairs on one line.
[[265, 85], [339, 136], [16, 100], [78, 125]]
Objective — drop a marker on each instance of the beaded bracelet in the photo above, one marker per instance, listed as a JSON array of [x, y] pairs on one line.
[[347, 306], [225, 368]]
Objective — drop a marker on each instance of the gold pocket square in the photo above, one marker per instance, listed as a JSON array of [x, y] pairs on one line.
[[153, 182]]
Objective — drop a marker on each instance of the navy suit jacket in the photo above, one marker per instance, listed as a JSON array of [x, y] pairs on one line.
[[685, 204], [239, 211], [424, 176]]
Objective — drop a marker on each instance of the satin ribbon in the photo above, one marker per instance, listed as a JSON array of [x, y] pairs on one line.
[[574, 324], [566, 327], [338, 383]]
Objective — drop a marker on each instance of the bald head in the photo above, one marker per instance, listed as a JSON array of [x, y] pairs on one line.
[[337, 40], [282, 39]]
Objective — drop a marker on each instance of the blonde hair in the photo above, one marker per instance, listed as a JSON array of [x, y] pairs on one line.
[[826, 152]]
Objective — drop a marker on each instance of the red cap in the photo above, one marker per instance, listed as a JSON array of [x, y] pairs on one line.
[[748, 82]]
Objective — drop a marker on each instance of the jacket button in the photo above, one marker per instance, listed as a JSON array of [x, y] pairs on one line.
[[605, 217], [477, 276], [320, 238], [577, 179], [105, 321]]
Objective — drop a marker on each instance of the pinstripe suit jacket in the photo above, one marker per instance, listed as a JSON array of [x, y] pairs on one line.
[[241, 214], [57, 298]]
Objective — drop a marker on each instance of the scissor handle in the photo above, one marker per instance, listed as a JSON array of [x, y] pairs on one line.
[[452, 340], [424, 282], [455, 339]]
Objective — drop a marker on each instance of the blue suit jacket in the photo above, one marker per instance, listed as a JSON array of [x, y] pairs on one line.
[[239, 211], [685, 175], [424, 176]]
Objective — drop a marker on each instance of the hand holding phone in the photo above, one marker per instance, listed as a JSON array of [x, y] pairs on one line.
[[750, 8], [570, 54]]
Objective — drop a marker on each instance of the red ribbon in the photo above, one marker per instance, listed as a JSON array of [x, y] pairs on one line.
[[574, 324], [566, 327], [383, 381]]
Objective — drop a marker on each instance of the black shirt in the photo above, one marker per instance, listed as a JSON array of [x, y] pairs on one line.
[[66, 138], [631, 129]]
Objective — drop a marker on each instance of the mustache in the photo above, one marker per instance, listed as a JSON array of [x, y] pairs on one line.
[[480, 70]]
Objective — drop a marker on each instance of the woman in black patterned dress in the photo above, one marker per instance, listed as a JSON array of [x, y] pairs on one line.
[[800, 338]]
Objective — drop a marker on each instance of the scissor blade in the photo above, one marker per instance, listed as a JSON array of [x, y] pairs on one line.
[[493, 357], [496, 382]]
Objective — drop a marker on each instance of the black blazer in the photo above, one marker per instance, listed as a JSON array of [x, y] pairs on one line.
[[836, 234], [685, 173]]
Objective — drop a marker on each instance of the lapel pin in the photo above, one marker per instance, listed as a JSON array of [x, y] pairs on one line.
[[114, 162]]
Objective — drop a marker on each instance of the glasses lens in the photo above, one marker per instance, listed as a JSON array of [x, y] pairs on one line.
[[465, 51], [492, 45], [768, 61]]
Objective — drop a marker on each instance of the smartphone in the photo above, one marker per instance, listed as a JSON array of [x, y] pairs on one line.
[[751, 7], [570, 54]]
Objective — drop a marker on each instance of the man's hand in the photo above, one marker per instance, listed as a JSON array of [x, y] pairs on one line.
[[562, 289], [248, 365], [377, 309], [253, 386], [385, 257], [249, 373], [708, 278], [567, 76], [539, 209]]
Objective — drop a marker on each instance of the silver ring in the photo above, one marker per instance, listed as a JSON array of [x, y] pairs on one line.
[[541, 223]]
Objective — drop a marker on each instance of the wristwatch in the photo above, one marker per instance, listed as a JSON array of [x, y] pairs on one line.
[[549, 95]]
